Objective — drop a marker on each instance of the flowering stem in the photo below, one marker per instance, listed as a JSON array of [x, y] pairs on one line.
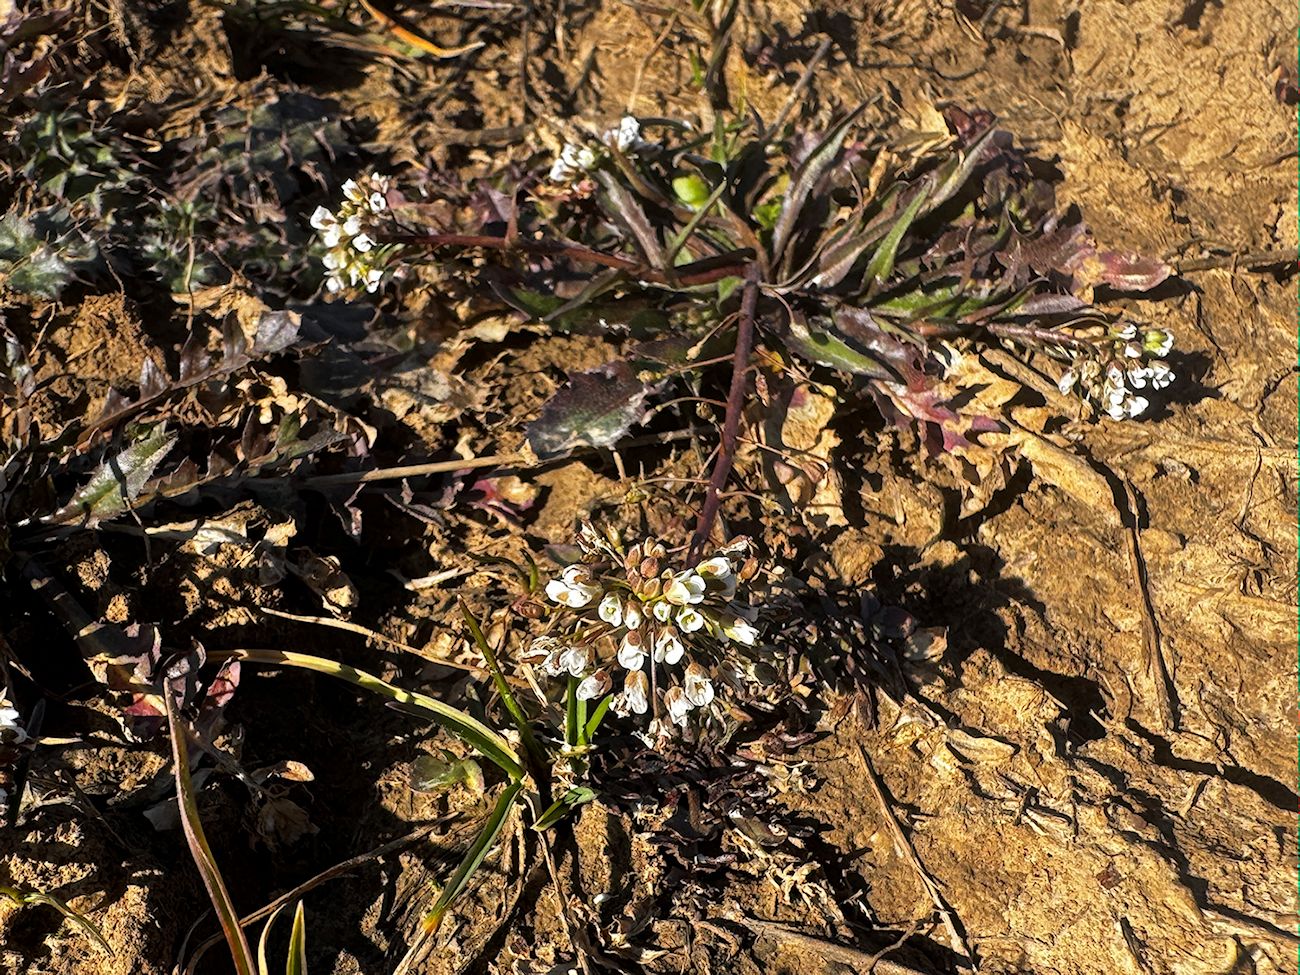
[[731, 423], [706, 271]]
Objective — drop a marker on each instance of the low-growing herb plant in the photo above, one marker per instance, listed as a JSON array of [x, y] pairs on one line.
[[834, 247]]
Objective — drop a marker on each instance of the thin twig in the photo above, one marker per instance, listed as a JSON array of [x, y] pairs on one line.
[[859, 961], [906, 850], [566, 922], [796, 93], [415, 470], [1252, 260], [735, 405], [706, 271], [1157, 670]]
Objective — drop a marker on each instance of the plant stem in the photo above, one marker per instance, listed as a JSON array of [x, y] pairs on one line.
[[706, 271], [731, 423]]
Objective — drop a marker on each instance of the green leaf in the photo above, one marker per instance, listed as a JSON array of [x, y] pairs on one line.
[[827, 350], [473, 858], [882, 261], [806, 180], [117, 482], [297, 962], [561, 807], [691, 190], [597, 716], [472, 731]]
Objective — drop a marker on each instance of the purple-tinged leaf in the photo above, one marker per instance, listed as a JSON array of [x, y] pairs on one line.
[[1131, 272], [152, 379], [595, 410]]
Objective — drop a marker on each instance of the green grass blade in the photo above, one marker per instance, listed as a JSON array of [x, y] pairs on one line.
[[264, 967], [597, 716], [297, 963], [198, 843], [473, 858], [88, 927], [531, 745], [474, 732]]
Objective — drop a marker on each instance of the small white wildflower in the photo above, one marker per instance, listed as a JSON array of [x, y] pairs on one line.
[[611, 609], [597, 685], [718, 567], [740, 630], [690, 620], [378, 202], [632, 615], [575, 660], [1132, 350], [669, 649], [1137, 378], [687, 588], [636, 692], [626, 135], [352, 191], [1136, 406], [322, 218], [363, 243], [697, 687], [631, 652], [1158, 342], [1129, 331], [1160, 374], [1067, 381], [662, 611], [677, 705], [352, 225], [374, 278]]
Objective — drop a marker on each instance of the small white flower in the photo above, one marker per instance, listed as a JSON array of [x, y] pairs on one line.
[[626, 135], [378, 202], [575, 660], [741, 631], [1129, 331], [1114, 375], [632, 615], [334, 283], [374, 278], [1132, 350], [718, 567], [1067, 381], [1137, 406], [1137, 378], [1158, 342], [611, 609], [687, 588], [661, 611], [322, 219], [352, 225], [363, 243], [597, 685], [1160, 374], [697, 687], [690, 620], [331, 236], [333, 260], [631, 652], [677, 704], [352, 191], [553, 665], [636, 693], [668, 648]]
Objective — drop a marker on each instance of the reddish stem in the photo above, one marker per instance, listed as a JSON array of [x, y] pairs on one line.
[[731, 264], [731, 423]]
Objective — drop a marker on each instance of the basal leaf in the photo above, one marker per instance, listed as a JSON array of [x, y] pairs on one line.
[[595, 410]]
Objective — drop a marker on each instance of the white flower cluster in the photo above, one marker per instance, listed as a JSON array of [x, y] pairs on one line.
[[353, 258], [627, 611], [1133, 365], [11, 733], [578, 158]]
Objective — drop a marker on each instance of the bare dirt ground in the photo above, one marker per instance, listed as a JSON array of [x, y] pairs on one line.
[[1099, 771]]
